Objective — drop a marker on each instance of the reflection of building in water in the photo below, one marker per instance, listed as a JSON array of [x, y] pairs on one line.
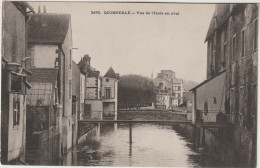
[[169, 90]]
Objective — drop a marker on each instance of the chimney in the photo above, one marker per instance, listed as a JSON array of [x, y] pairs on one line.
[[44, 9], [86, 59], [39, 9]]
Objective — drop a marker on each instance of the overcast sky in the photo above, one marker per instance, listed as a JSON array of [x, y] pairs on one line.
[[139, 44]]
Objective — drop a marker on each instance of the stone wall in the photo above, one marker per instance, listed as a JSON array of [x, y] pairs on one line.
[[44, 149]]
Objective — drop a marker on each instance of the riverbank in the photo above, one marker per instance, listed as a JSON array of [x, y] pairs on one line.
[[216, 143]]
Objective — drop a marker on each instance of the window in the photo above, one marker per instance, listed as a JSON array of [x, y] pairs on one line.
[[232, 105], [256, 35], [213, 64], [234, 45], [206, 110], [16, 111], [223, 63], [224, 55], [29, 51], [243, 43], [161, 86], [70, 57], [70, 89], [74, 107], [107, 92], [241, 100], [107, 80], [16, 83]]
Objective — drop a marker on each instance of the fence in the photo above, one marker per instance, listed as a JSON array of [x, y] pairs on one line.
[[45, 147]]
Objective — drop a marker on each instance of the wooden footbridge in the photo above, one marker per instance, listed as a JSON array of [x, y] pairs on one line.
[[134, 121]]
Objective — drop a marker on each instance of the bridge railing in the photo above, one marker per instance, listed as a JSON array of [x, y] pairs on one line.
[[150, 115], [96, 115], [99, 115], [137, 115]]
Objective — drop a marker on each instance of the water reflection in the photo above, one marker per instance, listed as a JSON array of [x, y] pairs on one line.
[[138, 145]]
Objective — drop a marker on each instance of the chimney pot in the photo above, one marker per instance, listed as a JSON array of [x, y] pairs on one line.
[[44, 9], [39, 9]]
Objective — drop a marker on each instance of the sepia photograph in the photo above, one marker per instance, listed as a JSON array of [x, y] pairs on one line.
[[129, 84]]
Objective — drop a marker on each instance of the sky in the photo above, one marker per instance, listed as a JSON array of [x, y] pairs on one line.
[[139, 44]]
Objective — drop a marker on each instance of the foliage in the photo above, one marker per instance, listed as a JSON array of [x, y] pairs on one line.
[[135, 91]]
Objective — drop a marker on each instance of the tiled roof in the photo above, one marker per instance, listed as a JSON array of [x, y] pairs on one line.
[[111, 74], [43, 75], [176, 80], [222, 12], [48, 28]]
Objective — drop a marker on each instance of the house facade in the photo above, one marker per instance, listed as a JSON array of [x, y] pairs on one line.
[[109, 94], [14, 81], [50, 46], [42, 120], [231, 85], [100, 92], [169, 90]]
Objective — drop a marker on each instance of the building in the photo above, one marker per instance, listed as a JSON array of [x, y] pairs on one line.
[[93, 107], [169, 90], [109, 94], [187, 103], [78, 97], [14, 81], [100, 93], [42, 120], [230, 89], [50, 46]]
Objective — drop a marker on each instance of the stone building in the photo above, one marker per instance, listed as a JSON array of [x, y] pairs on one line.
[[50, 46], [14, 81], [101, 92], [93, 107], [169, 90], [231, 85], [78, 97]]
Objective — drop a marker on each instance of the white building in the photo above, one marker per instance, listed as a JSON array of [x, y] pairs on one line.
[[109, 94], [169, 90]]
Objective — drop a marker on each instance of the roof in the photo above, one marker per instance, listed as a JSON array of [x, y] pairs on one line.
[[48, 28], [43, 75], [176, 80], [222, 13], [207, 80], [111, 74], [24, 5]]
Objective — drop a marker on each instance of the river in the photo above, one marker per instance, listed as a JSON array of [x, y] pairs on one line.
[[152, 145]]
